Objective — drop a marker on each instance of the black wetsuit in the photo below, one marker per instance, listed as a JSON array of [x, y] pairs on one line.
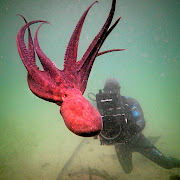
[[130, 139]]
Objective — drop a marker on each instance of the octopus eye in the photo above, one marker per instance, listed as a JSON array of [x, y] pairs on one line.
[[65, 95]]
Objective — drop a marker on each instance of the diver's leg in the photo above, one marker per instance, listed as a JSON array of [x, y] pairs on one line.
[[124, 155], [144, 147]]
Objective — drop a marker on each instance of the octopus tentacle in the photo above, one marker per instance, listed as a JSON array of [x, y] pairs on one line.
[[25, 55], [71, 51], [111, 50], [89, 54], [86, 63], [30, 40], [43, 88], [38, 81], [47, 64], [106, 35]]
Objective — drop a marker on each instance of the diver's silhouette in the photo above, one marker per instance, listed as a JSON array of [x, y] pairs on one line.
[[123, 122]]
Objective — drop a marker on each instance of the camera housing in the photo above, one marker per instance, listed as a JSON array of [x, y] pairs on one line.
[[109, 106]]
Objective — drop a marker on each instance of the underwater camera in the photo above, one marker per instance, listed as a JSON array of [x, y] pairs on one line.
[[111, 128], [111, 113]]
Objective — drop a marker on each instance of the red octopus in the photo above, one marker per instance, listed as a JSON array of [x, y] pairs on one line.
[[66, 87]]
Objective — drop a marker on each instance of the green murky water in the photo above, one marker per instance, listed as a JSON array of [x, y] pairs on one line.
[[34, 142]]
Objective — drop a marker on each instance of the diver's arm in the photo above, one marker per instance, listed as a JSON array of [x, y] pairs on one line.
[[138, 123]]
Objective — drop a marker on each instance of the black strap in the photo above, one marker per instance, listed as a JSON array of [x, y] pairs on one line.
[[123, 110]]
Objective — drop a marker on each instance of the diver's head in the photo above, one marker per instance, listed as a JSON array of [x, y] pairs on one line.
[[112, 86]]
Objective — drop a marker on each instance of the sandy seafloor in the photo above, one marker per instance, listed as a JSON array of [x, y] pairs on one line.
[[102, 163], [90, 162], [34, 142]]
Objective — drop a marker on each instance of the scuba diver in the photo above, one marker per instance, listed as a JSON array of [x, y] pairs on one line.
[[123, 122]]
